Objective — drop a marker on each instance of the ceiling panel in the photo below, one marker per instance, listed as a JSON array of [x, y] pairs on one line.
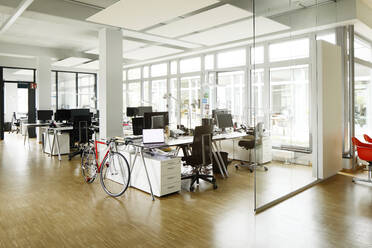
[[150, 52], [128, 45], [72, 61], [141, 14], [94, 65], [236, 31], [158, 39], [207, 19]]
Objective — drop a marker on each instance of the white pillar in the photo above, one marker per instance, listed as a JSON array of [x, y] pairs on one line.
[[44, 84], [110, 85]]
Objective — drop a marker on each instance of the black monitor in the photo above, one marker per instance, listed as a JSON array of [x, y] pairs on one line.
[[144, 109], [137, 125], [44, 115], [215, 112], [148, 118], [157, 122], [224, 121], [62, 115], [79, 112], [132, 112]]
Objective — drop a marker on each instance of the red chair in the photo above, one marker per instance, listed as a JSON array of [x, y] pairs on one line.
[[365, 153], [367, 138]]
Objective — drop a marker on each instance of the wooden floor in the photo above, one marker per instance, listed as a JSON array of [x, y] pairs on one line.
[[44, 203]]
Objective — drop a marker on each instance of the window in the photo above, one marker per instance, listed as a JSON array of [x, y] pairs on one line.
[[174, 67], [231, 58], [54, 90], [258, 110], [190, 102], [231, 93], [66, 90], [145, 72], [363, 104], [134, 91], [362, 49], [257, 55], [290, 108], [331, 37], [159, 90], [22, 101], [209, 62], [190, 65], [125, 75], [146, 93], [159, 70], [86, 91], [134, 73], [173, 102], [293, 49]]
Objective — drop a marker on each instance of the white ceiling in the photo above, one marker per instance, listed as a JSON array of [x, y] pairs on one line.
[[128, 45], [70, 62], [94, 65], [207, 19], [141, 14], [151, 52], [236, 31]]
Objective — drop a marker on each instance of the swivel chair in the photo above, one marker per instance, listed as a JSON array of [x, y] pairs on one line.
[[201, 157], [15, 124], [365, 153]]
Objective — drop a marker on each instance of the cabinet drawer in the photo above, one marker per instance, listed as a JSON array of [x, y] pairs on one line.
[[171, 169], [171, 188], [172, 178]]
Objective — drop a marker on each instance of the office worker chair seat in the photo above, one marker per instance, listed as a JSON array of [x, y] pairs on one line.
[[200, 158], [249, 144], [364, 151]]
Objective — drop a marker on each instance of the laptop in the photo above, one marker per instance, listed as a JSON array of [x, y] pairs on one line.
[[153, 137]]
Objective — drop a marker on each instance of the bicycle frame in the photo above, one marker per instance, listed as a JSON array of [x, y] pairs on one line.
[[99, 166]]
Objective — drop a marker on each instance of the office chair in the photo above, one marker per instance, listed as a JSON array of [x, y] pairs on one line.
[[367, 138], [365, 153], [80, 134], [15, 123], [201, 157]]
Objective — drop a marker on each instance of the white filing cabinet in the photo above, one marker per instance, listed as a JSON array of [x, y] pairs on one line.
[[64, 143], [263, 151], [164, 173]]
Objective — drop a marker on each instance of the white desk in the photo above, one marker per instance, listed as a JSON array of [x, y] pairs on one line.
[[54, 131], [28, 125]]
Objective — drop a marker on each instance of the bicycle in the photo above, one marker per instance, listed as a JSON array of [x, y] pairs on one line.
[[114, 168]]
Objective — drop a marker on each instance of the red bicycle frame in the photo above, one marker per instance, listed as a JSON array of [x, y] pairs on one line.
[[96, 142]]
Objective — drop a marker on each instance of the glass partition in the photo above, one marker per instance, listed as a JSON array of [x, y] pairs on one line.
[[67, 91]]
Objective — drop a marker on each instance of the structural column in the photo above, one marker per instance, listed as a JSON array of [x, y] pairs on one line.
[[44, 83], [110, 85]]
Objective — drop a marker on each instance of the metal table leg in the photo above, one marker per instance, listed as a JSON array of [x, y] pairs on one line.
[[26, 134], [147, 174], [51, 147], [57, 141], [218, 162], [221, 159]]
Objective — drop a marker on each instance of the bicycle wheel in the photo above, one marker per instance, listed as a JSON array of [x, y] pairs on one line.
[[115, 174], [88, 165]]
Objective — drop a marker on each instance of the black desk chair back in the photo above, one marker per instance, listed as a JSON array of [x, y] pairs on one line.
[[201, 157]]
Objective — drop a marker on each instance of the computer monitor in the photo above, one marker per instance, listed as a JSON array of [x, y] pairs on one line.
[[148, 119], [62, 115], [44, 115], [144, 109], [215, 112], [78, 113], [224, 121], [132, 112], [137, 125], [157, 121]]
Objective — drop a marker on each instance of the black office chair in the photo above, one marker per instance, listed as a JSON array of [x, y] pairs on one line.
[[201, 157], [80, 135], [15, 124]]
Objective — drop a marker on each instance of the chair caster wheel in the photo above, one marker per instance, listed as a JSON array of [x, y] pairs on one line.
[[250, 170], [215, 186], [353, 180], [236, 166], [192, 188], [266, 169]]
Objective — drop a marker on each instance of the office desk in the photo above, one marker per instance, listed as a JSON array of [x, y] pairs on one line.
[[28, 125], [182, 141], [54, 131]]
